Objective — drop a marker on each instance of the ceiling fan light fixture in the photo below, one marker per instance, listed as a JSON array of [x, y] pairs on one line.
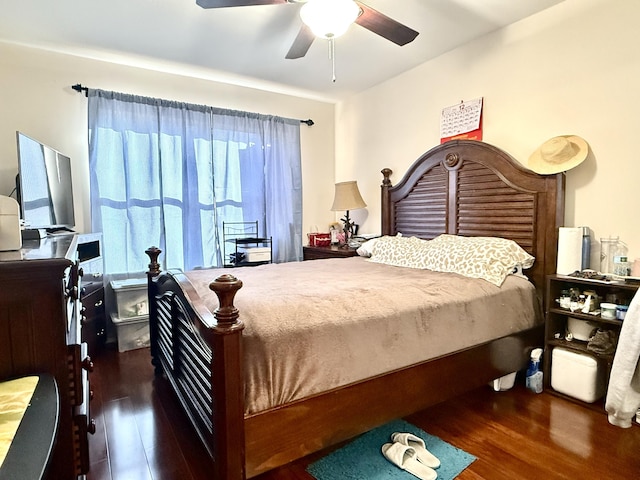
[[329, 18]]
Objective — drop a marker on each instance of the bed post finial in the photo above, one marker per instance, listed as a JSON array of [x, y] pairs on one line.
[[226, 287], [154, 266], [386, 173], [385, 204]]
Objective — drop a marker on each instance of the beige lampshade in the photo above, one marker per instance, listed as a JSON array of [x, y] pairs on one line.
[[347, 197]]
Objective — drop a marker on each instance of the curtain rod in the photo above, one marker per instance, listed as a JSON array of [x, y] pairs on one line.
[[79, 88]]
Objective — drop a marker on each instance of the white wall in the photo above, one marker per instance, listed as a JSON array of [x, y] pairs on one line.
[[571, 69], [37, 99]]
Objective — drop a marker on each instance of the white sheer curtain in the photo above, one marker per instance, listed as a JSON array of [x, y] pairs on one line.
[[168, 174]]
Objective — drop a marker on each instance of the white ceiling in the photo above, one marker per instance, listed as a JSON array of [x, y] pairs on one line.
[[247, 45]]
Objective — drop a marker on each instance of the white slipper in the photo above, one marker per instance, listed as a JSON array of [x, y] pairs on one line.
[[405, 457], [423, 455]]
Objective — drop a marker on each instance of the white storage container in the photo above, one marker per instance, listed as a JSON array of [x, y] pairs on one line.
[[504, 383], [132, 332], [131, 297], [577, 375], [10, 238], [256, 254]]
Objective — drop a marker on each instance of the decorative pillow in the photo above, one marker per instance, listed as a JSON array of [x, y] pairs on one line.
[[489, 258], [366, 249], [400, 251]]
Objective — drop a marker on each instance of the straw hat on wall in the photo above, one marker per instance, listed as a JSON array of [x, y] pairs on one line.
[[559, 154]]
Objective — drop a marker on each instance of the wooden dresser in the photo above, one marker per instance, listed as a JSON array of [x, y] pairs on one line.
[[40, 332]]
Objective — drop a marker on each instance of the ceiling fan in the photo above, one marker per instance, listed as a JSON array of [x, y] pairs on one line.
[[329, 19]]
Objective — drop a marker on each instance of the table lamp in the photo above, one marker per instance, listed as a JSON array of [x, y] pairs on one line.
[[347, 197]]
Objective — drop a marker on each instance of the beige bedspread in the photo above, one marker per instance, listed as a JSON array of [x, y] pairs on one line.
[[313, 326]]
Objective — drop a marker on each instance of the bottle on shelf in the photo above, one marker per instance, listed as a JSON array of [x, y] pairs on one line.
[[586, 248], [534, 373]]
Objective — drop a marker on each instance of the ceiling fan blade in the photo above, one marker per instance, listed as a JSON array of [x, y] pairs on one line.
[[236, 3], [384, 26], [301, 44]]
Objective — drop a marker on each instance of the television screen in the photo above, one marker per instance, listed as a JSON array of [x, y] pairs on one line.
[[44, 185]]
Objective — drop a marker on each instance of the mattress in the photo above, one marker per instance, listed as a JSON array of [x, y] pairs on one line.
[[314, 326]]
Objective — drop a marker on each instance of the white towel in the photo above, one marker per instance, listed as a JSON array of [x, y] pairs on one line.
[[623, 394]]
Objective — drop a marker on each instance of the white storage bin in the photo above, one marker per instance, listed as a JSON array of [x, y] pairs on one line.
[[131, 297], [256, 254], [504, 383], [577, 375], [132, 332]]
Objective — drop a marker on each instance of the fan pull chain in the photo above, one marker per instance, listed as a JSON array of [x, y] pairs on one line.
[[332, 57]]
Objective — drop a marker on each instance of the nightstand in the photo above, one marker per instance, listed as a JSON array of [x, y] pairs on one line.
[[332, 251]]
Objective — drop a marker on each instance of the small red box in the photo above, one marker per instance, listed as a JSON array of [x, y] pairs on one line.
[[319, 239]]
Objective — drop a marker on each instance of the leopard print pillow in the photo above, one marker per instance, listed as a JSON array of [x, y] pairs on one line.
[[489, 258]]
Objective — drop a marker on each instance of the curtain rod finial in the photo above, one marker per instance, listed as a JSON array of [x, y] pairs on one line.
[[309, 122], [79, 88]]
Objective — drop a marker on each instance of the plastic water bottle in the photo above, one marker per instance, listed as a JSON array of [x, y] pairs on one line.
[[534, 374]]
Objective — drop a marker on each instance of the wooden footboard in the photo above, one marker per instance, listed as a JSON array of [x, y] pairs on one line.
[[200, 354]]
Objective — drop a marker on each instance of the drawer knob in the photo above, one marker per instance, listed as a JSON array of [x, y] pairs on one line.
[[91, 428], [87, 364]]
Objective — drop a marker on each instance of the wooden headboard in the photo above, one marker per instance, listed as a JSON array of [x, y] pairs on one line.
[[471, 188]]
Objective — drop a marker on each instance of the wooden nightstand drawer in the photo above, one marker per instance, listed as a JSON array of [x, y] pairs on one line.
[[332, 251]]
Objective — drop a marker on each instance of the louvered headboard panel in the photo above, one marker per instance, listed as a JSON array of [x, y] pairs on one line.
[[471, 188], [422, 213], [487, 206]]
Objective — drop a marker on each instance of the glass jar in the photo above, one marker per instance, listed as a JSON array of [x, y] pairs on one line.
[[565, 299], [608, 249]]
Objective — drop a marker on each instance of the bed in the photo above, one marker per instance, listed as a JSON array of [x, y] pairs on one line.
[[205, 349]]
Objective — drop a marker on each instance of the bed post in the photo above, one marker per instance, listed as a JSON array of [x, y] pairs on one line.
[[228, 382], [154, 271], [385, 202]]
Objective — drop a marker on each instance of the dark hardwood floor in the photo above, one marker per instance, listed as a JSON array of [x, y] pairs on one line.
[[515, 434]]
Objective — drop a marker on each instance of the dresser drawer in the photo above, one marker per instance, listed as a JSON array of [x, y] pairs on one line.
[[93, 302]]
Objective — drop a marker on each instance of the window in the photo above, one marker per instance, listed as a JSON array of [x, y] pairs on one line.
[[168, 174]]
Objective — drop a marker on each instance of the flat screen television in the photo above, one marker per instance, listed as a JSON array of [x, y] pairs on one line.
[[44, 185]]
